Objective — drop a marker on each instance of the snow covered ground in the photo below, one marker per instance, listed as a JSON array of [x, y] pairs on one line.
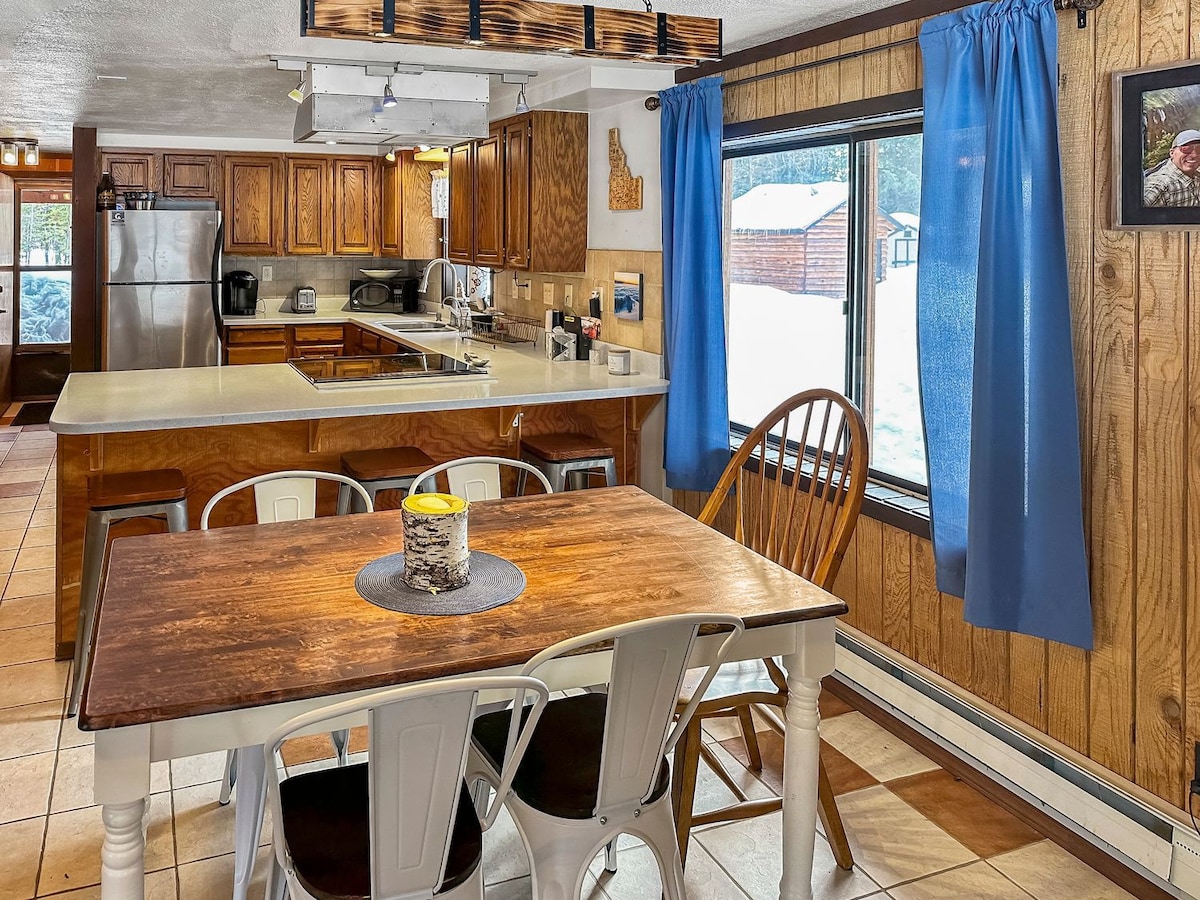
[[781, 343]]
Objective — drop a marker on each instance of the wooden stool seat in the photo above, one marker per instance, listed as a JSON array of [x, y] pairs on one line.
[[565, 447], [390, 462], [114, 489]]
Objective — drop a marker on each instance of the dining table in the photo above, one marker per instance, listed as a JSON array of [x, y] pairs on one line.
[[209, 640]]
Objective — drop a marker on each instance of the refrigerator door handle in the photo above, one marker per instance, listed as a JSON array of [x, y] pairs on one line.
[[216, 284]]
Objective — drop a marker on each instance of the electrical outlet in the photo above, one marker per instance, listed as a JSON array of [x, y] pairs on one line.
[[548, 294], [568, 294], [268, 273]]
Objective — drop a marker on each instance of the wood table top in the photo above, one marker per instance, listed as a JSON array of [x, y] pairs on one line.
[[209, 621]]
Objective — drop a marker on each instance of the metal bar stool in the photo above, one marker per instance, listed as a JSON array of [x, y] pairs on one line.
[[568, 456], [390, 469], [114, 497]]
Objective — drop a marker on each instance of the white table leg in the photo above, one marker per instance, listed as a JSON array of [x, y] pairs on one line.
[[806, 667], [122, 787]]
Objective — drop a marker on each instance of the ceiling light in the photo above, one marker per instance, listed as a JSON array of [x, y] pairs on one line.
[[331, 142], [297, 93], [31, 154], [390, 156], [383, 34], [111, 78], [389, 99], [8, 154], [522, 106]]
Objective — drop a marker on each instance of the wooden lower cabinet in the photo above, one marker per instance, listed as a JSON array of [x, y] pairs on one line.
[[247, 345], [251, 355]]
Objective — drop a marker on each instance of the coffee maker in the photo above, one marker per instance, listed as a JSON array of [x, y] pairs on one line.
[[239, 293]]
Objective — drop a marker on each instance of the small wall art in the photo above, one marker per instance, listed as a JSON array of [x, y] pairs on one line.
[[627, 295], [1156, 136], [624, 191]]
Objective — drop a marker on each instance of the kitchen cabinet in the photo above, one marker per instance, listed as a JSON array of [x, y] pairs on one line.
[[253, 204], [407, 228], [309, 192], [462, 203], [250, 344], [517, 138], [132, 170], [193, 175], [316, 341], [354, 206], [489, 200], [519, 198]]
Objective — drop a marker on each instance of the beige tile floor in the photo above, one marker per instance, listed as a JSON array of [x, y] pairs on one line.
[[894, 801]]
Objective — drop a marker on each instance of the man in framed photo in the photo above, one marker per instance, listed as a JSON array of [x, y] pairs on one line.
[[1173, 182]]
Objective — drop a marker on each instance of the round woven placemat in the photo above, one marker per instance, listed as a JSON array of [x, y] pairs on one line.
[[494, 582]]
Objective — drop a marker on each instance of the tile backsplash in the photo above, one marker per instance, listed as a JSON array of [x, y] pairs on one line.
[[328, 275], [512, 295]]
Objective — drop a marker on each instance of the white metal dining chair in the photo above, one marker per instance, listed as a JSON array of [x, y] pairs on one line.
[[476, 477], [400, 825], [278, 497], [596, 765]]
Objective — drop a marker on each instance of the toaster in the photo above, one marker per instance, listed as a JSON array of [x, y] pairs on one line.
[[304, 300]]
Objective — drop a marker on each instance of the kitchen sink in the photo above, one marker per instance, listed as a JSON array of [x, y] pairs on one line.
[[349, 371], [414, 326]]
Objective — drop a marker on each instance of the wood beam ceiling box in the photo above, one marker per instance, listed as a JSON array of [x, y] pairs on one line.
[[526, 26]]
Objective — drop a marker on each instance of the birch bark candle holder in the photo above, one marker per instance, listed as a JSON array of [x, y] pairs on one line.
[[436, 557]]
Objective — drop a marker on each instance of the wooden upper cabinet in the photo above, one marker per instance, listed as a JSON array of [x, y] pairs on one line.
[[558, 191], [253, 204], [407, 229], [391, 208], [489, 200], [462, 203], [354, 206], [517, 160], [132, 170], [191, 175], [308, 228]]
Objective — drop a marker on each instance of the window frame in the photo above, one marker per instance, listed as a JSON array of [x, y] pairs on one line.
[[19, 268], [854, 134]]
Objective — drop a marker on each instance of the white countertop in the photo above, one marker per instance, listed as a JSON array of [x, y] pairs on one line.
[[147, 400], [278, 311]]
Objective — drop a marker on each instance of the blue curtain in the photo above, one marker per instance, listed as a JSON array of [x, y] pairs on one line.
[[697, 432], [994, 326]]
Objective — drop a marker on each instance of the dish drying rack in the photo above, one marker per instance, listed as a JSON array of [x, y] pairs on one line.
[[503, 328]]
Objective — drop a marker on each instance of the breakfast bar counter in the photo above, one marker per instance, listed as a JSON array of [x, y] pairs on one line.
[[219, 425]]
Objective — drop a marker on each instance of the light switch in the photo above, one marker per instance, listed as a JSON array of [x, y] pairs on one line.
[[268, 273], [568, 294], [548, 294]]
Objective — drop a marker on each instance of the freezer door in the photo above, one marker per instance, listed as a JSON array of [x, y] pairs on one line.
[[159, 326], [158, 245]]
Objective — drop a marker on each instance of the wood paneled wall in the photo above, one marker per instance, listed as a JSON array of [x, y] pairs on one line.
[[1132, 705]]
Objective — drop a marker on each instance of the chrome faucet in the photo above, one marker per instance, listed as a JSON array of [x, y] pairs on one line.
[[460, 308]]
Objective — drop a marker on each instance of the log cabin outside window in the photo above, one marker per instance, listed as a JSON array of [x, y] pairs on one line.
[[43, 270], [821, 259]]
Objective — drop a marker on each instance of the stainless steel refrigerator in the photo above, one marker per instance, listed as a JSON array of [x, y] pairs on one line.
[[161, 272]]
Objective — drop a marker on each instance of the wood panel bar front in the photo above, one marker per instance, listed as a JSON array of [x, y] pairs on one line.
[[214, 457]]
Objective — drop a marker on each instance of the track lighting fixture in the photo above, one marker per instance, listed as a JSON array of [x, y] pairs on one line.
[[8, 154], [522, 106], [390, 156], [389, 99], [31, 154], [11, 149], [297, 93]]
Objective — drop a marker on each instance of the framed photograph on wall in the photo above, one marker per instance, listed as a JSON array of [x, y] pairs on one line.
[[627, 295], [1156, 148]]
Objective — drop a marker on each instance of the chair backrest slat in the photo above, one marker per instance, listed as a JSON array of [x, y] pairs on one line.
[[285, 496], [476, 478], [802, 516]]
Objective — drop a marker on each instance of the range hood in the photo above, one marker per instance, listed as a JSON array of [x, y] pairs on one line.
[[342, 104], [358, 120]]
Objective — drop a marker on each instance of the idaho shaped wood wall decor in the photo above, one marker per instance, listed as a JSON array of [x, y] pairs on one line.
[[527, 26], [624, 191]]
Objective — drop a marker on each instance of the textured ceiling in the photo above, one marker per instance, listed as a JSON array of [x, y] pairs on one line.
[[201, 68]]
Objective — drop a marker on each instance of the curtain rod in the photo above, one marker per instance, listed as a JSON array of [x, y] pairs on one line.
[[1081, 6]]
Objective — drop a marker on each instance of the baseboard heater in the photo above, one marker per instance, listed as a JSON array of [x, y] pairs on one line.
[[1137, 835]]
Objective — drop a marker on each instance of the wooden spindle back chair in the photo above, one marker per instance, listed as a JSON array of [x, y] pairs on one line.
[[792, 492]]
